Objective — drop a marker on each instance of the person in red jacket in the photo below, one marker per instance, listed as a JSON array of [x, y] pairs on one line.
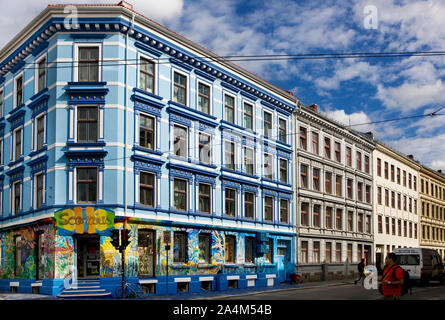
[[392, 281]]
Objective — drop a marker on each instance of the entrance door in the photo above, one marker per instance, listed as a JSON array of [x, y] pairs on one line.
[[281, 264], [88, 256], [146, 253], [40, 256]]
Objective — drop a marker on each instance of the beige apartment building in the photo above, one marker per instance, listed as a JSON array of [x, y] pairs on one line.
[[432, 203], [396, 201]]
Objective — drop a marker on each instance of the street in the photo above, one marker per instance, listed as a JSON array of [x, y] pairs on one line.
[[341, 292]]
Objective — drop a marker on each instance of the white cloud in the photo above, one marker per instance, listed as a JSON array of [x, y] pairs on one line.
[[354, 119]]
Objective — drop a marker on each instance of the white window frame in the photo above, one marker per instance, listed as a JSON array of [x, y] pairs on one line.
[[98, 182], [100, 123], [36, 72], [272, 165], [14, 143], [21, 74], [35, 189], [236, 202], [138, 130], [272, 123], [253, 113], [244, 159], [155, 191], [199, 81], [187, 86], [254, 205], [1, 151], [273, 207], [210, 196], [175, 124], [235, 118], [43, 115], [155, 71], [287, 130], [287, 170], [13, 197], [77, 46], [187, 194], [210, 145], [235, 154]]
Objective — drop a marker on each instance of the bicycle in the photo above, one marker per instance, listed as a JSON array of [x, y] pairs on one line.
[[131, 290]]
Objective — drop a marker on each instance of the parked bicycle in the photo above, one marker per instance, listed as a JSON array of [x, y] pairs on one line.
[[131, 290]]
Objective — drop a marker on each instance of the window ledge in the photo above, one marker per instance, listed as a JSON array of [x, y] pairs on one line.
[[231, 265], [139, 148], [33, 153], [86, 144]]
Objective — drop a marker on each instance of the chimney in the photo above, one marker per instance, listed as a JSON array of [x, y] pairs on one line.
[[411, 156], [125, 5], [440, 170], [290, 93], [370, 133], [313, 107]]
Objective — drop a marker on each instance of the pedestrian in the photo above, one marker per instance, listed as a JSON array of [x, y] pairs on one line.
[[392, 281], [361, 268]]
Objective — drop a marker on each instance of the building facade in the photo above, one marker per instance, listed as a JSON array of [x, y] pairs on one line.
[[117, 122], [432, 206], [334, 206], [396, 194]]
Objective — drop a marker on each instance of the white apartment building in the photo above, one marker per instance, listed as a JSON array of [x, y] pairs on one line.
[[333, 193], [396, 201]]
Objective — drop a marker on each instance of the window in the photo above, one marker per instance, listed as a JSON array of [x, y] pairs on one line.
[[180, 143], [359, 161], [88, 64], [338, 185], [386, 170], [269, 254], [379, 167], [379, 195], [146, 75], [203, 98], [41, 74], [415, 183], [367, 164], [17, 144], [316, 179], [86, 185], [180, 247], [180, 194], [349, 248], [249, 162], [205, 198], [368, 224], [87, 124], [282, 130], [39, 190], [249, 205], [387, 197], [393, 226], [180, 88], [392, 173], [360, 222], [40, 132], [368, 194], [317, 214], [249, 253], [350, 183], [2, 103], [230, 202], [328, 218], [147, 132], [398, 176], [337, 151], [393, 199], [349, 156], [350, 221], [328, 182], [229, 155], [328, 253], [303, 175], [230, 246], [315, 143], [17, 196], [205, 154], [410, 182], [359, 252], [360, 191], [404, 178], [248, 116], [303, 138], [19, 91], [268, 208], [267, 124], [304, 252], [387, 225], [268, 166], [284, 211], [339, 219], [399, 224], [327, 148], [304, 214], [147, 189], [229, 108], [316, 252], [204, 248], [18, 256], [283, 171], [404, 203], [405, 229], [338, 252], [380, 224]]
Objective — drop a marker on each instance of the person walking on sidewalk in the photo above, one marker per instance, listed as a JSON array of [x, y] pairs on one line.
[[361, 268], [392, 278]]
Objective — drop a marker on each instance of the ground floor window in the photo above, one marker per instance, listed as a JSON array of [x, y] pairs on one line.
[[18, 255], [146, 253], [304, 252], [269, 254], [204, 248], [249, 255], [180, 247], [230, 247]]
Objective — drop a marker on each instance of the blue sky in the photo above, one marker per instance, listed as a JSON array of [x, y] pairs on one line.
[[350, 90]]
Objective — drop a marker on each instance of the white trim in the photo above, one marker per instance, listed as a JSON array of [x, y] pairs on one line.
[[77, 46], [14, 284], [206, 278], [36, 72], [155, 71], [187, 85], [14, 100], [244, 102], [232, 277], [147, 281], [235, 104], [183, 279], [252, 276], [201, 81]]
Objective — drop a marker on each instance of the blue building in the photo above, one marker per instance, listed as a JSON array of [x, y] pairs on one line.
[[112, 115]]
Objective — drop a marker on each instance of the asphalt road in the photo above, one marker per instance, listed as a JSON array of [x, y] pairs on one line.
[[434, 291]]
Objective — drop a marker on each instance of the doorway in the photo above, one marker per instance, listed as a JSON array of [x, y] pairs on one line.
[[88, 256]]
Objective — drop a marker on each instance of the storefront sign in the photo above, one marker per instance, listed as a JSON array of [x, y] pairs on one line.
[[80, 220]]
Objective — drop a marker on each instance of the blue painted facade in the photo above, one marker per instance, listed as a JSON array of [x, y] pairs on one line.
[[120, 104]]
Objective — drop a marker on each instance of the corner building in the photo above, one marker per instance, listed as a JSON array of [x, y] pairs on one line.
[[396, 201], [119, 117], [334, 196]]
